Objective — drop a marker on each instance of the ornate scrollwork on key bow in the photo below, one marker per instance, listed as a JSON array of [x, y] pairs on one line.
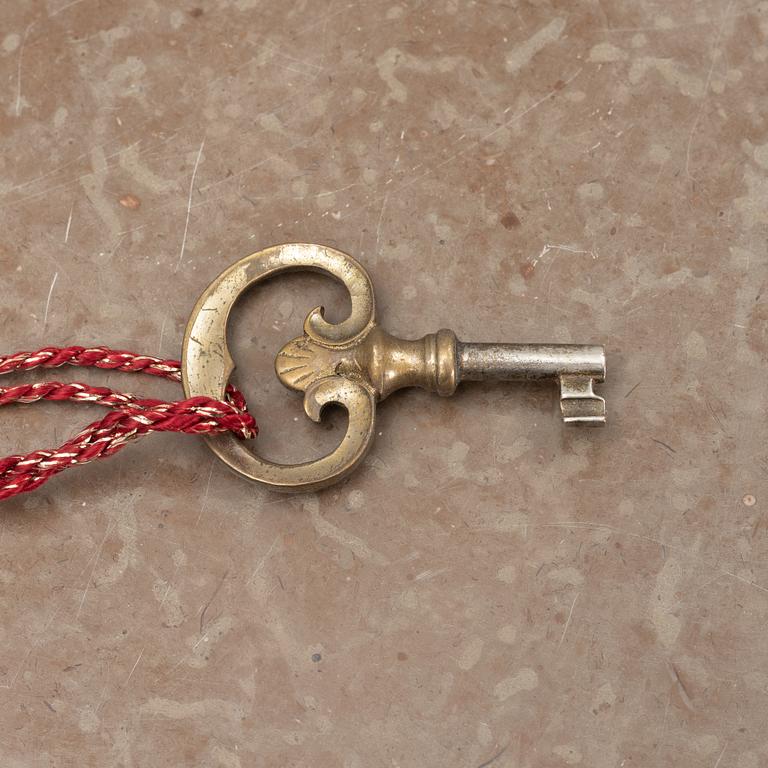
[[207, 364]]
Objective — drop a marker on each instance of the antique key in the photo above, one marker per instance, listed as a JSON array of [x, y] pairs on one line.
[[356, 363]]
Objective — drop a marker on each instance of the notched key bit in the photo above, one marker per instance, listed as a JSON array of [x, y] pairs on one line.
[[576, 367], [356, 364]]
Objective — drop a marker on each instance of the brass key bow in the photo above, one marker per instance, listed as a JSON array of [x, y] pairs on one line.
[[356, 363]]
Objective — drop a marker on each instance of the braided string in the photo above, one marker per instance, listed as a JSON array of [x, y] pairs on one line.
[[131, 417]]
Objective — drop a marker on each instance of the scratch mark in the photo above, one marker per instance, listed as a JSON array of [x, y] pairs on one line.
[[430, 574], [633, 389], [18, 72], [333, 191], [18, 671], [721, 754], [168, 588], [118, 244], [381, 218], [162, 333], [263, 560], [133, 668], [205, 495], [694, 127], [189, 203], [681, 689], [521, 115], [554, 247], [90, 575], [568, 620], [664, 445], [324, 527], [194, 647], [211, 599], [69, 223], [494, 758], [663, 724], [48, 300], [64, 8], [715, 417], [745, 581]]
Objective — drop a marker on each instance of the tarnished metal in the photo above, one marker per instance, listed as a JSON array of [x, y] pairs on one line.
[[355, 363]]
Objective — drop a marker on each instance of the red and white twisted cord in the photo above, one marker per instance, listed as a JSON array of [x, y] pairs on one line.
[[131, 416]]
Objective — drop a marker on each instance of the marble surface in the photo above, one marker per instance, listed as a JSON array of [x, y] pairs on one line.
[[491, 588]]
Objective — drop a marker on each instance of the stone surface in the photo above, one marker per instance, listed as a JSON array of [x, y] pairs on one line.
[[491, 588]]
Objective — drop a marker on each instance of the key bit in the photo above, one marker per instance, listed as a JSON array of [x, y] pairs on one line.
[[356, 364], [576, 367]]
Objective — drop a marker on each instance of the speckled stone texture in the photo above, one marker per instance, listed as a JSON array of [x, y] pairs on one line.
[[491, 588]]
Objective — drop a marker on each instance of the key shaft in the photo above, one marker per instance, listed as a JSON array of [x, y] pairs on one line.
[[529, 362]]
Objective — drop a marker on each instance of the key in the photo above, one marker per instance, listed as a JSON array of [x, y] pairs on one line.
[[357, 364]]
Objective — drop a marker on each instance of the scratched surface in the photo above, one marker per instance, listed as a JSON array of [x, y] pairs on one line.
[[490, 589]]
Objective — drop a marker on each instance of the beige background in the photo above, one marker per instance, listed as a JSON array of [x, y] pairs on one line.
[[491, 588]]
